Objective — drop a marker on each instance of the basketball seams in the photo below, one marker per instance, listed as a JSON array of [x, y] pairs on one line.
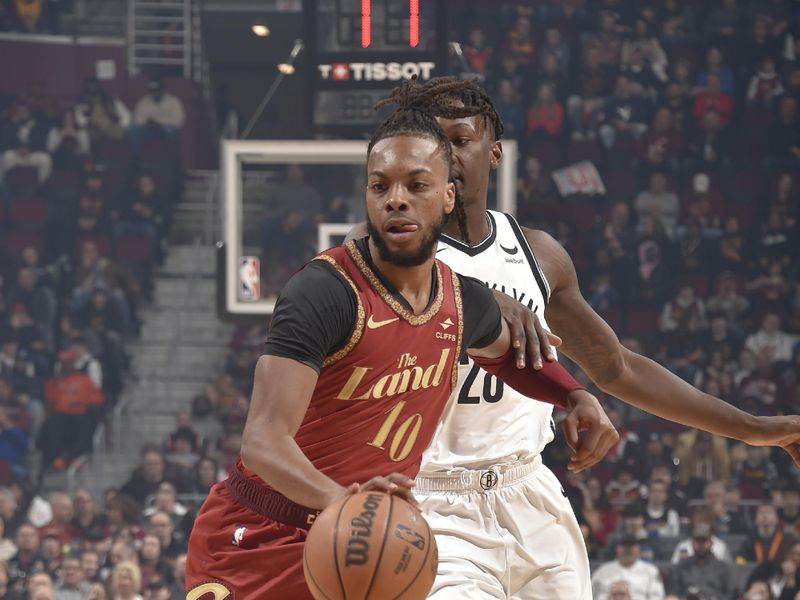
[[336, 546], [310, 574], [383, 546], [421, 566]]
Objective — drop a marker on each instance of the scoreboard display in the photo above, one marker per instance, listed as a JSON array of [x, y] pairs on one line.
[[358, 50]]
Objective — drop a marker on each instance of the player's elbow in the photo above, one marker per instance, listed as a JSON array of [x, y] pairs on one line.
[[613, 370]]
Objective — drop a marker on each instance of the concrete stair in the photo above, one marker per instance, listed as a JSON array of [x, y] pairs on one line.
[[181, 347]]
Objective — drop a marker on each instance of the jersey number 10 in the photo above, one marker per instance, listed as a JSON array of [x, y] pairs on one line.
[[492, 386]]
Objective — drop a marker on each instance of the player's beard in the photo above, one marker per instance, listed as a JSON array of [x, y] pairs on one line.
[[422, 254]]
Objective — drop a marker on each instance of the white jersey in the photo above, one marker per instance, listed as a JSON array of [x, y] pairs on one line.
[[487, 423]]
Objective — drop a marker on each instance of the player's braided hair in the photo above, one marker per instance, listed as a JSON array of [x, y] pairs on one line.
[[474, 98], [417, 108]]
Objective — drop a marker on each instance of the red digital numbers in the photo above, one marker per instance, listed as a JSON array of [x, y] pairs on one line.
[[366, 23]]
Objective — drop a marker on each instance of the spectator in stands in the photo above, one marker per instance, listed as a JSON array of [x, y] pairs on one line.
[[73, 400], [659, 203], [555, 45], [172, 543], [715, 66], [592, 87], [732, 246], [143, 214], [72, 584], [95, 209], [619, 590], [703, 457], [770, 288], [722, 24], [24, 144], [90, 564], [546, 115], [179, 576], [150, 560], [775, 241], [126, 581], [685, 548], [13, 443], [68, 144], [40, 587], [98, 273], [153, 470], [7, 546], [86, 519], [712, 97], [783, 140], [710, 145], [157, 114], [781, 575], [661, 520], [768, 542], [60, 526], [632, 526], [677, 312], [647, 45], [765, 85], [165, 500], [477, 52], [770, 336], [678, 23], [755, 472], [206, 475], [642, 578], [703, 571], [680, 104], [661, 145], [789, 512], [520, 45], [508, 106], [727, 519], [624, 114], [101, 114], [28, 559], [607, 42], [39, 300]]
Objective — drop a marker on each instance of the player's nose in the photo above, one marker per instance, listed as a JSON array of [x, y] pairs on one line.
[[396, 199]]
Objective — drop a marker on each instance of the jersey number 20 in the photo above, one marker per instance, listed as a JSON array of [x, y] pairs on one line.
[[492, 386]]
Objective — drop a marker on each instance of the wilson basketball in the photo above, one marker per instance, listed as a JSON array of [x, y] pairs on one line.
[[370, 546]]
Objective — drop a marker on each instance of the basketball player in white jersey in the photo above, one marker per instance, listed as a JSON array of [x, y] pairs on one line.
[[503, 527]]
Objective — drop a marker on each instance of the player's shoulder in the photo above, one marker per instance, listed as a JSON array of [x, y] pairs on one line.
[[554, 260]]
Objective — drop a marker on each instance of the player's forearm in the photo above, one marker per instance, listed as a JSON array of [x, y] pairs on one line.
[[280, 462], [552, 383], [647, 385]]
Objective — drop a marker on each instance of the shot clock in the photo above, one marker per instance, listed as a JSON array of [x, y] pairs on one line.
[[360, 49]]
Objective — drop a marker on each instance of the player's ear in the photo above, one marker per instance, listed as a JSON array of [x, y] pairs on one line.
[[496, 154], [449, 197]]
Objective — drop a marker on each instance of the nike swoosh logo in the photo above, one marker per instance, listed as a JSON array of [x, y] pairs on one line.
[[441, 250], [373, 324], [512, 252]]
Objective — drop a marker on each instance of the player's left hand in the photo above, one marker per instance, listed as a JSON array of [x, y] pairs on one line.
[[527, 333], [777, 431], [586, 415]]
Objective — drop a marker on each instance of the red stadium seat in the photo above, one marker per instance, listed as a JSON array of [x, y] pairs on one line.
[[103, 243], [17, 241], [28, 211], [133, 247], [65, 180]]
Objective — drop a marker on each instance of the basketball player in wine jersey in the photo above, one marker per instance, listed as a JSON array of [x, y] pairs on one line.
[[361, 359], [503, 527]]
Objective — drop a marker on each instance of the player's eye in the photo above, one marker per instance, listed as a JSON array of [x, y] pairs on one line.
[[461, 141], [377, 187], [419, 185]]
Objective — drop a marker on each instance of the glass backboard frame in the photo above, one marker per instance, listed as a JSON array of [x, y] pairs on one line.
[[237, 153]]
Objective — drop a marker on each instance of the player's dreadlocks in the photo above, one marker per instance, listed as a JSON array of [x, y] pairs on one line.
[[417, 108]]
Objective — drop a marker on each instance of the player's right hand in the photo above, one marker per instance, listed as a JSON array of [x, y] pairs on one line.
[[777, 431], [394, 483], [527, 333]]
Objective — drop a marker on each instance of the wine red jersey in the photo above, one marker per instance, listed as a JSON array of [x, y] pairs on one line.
[[379, 398]]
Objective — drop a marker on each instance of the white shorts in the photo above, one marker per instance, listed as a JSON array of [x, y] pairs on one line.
[[507, 533]]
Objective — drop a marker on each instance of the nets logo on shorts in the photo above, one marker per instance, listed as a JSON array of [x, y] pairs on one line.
[[488, 480]]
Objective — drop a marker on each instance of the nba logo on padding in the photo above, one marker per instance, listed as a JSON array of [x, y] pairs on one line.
[[249, 278]]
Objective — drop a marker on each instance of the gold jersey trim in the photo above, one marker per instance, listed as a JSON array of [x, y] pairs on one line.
[[387, 297], [460, 315], [358, 330]]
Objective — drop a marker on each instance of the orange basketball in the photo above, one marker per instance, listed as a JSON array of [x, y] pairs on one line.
[[370, 546]]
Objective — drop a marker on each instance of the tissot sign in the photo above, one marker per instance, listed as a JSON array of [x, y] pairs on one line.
[[375, 71]]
